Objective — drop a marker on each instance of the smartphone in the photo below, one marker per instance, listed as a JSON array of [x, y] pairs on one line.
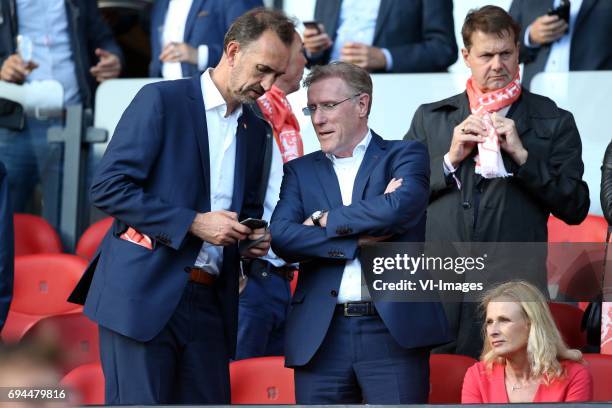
[[563, 11], [313, 25], [254, 223]]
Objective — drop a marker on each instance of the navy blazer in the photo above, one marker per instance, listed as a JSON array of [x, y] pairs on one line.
[[207, 22], [310, 184], [419, 34], [155, 176], [7, 253], [591, 45]]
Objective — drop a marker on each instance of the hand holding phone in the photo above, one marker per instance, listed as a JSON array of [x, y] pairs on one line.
[[313, 25], [254, 223]]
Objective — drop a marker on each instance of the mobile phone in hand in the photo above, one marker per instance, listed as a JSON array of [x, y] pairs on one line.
[[254, 223], [563, 11], [312, 25]]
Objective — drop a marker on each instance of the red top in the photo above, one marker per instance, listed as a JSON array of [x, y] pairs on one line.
[[482, 387]]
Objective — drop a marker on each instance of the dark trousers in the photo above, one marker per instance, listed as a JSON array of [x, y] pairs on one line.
[[263, 308], [186, 363], [360, 362]]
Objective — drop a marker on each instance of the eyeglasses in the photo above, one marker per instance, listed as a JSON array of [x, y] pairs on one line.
[[325, 107]]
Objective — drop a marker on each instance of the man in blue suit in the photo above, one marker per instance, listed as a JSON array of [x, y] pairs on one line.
[[6, 248], [181, 169], [359, 188], [187, 35]]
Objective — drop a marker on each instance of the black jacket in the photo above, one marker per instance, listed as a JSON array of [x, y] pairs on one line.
[[513, 209], [87, 32], [606, 185]]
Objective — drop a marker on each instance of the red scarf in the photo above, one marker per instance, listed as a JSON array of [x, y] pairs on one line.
[[278, 113], [489, 162]]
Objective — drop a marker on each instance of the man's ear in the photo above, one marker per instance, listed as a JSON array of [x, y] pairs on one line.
[[364, 102], [232, 49], [464, 53]]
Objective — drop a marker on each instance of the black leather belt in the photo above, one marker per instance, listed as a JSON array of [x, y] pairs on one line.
[[263, 268], [356, 309]]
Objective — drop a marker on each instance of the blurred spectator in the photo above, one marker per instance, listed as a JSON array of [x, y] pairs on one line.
[[551, 44], [524, 357], [187, 35], [606, 185], [502, 160], [384, 36], [64, 41], [6, 248], [264, 302]]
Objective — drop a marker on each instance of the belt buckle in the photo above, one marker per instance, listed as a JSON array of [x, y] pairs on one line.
[[348, 313]]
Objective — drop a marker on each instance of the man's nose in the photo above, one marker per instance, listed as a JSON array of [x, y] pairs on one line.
[[267, 82], [496, 63], [318, 117]]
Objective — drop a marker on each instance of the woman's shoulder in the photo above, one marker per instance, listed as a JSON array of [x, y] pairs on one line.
[[480, 369], [575, 368]]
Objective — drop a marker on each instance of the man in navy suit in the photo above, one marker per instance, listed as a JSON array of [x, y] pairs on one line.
[[187, 35], [359, 188], [6, 248], [384, 35], [181, 169]]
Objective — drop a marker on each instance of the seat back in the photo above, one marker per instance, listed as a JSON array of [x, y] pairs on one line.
[[92, 237], [592, 229], [568, 319], [42, 285], [87, 381], [600, 366], [34, 235], [74, 334], [262, 380], [446, 373]]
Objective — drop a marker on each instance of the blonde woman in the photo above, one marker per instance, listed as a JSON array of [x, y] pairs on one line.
[[524, 358]]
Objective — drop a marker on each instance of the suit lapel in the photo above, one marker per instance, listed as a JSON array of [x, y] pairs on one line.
[[191, 18], [585, 8], [383, 11], [198, 114], [328, 13], [372, 157], [328, 180]]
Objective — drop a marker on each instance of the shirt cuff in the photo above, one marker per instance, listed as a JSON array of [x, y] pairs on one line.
[[527, 41], [389, 58], [448, 167], [202, 57]]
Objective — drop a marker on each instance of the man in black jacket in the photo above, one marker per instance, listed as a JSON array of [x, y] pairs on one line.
[[70, 44], [6, 249], [539, 150]]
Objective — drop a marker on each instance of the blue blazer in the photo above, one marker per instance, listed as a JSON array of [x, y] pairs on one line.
[[7, 253], [419, 34], [310, 184], [207, 22], [155, 176]]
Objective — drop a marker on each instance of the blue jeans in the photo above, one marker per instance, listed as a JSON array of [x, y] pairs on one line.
[[30, 160], [262, 311]]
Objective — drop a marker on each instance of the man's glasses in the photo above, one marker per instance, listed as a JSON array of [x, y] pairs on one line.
[[325, 107]]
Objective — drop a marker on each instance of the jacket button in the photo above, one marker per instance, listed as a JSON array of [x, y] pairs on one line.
[[466, 205], [334, 293]]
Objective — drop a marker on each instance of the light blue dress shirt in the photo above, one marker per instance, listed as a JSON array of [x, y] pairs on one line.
[[46, 24]]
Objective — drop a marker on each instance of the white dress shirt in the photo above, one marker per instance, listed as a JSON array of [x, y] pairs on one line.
[[559, 57], [174, 31], [222, 153], [352, 285]]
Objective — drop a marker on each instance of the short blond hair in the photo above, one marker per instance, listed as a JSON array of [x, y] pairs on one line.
[[545, 346]]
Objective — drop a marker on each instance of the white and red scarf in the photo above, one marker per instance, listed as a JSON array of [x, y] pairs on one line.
[[489, 161], [277, 111]]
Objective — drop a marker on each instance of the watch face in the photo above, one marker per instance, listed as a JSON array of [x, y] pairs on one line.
[[317, 214]]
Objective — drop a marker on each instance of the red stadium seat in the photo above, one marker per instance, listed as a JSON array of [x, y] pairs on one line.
[[568, 319], [87, 381], [600, 366], [73, 334], [446, 372], [262, 380], [92, 237], [592, 229], [34, 235], [293, 283], [42, 285]]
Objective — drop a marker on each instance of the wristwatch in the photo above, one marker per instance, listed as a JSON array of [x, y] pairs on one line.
[[316, 217]]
